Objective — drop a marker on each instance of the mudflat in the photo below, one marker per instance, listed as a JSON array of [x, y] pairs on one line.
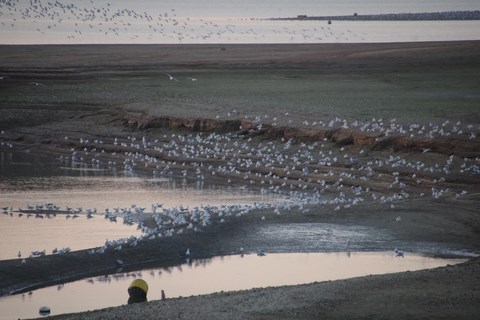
[[412, 106]]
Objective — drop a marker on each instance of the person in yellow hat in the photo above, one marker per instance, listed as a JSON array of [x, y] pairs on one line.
[[137, 291]]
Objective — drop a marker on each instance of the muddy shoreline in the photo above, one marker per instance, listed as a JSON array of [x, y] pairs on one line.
[[247, 233], [56, 120]]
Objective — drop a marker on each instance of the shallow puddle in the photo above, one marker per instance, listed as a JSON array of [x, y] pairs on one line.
[[227, 273]]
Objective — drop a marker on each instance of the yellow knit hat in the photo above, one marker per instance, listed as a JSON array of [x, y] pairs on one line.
[[139, 283]]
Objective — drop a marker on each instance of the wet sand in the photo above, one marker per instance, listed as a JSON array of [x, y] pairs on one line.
[[38, 120]]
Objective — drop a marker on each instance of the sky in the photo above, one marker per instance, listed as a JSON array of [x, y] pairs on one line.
[[193, 21]]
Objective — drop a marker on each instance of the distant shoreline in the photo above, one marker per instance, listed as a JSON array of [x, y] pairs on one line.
[[424, 16]]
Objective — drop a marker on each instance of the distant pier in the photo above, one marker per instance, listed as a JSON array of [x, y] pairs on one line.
[[424, 16]]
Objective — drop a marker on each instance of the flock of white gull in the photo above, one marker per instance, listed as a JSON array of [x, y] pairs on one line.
[[79, 20], [301, 174]]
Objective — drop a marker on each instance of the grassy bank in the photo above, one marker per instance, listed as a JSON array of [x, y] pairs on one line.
[[410, 82]]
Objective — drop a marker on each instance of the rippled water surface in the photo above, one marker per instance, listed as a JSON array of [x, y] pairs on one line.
[[206, 276]]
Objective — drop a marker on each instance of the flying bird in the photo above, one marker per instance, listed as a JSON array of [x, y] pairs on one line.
[[171, 77]]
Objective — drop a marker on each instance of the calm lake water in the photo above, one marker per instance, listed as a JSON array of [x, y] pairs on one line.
[[228, 273], [34, 179]]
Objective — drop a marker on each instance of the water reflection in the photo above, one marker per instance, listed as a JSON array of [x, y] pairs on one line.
[[213, 275], [20, 236], [47, 177], [29, 180]]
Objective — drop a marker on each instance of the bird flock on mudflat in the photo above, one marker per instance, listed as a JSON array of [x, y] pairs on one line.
[[300, 174], [105, 21]]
